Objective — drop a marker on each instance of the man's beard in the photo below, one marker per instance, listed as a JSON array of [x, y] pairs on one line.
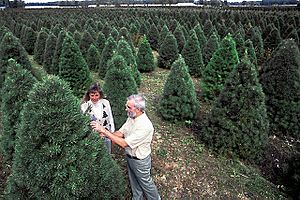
[[131, 114]]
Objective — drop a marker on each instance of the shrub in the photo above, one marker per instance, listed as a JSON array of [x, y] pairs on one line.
[[57, 155], [223, 61], [10, 47], [118, 85], [237, 124], [168, 52], [145, 58], [49, 52], [17, 84], [280, 79], [179, 101], [210, 47], [125, 50], [73, 68], [39, 46], [29, 40], [106, 55], [58, 48], [92, 57], [192, 55]]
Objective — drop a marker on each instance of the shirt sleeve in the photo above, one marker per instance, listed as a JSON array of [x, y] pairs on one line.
[[124, 128], [83, 107], [110, 118]]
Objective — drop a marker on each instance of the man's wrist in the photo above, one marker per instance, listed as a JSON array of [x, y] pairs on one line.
[[106, 132]]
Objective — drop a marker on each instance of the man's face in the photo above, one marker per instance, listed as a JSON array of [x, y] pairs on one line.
[[130, 109]]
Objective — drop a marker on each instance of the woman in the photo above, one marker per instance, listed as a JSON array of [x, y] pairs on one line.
[[99, 110]]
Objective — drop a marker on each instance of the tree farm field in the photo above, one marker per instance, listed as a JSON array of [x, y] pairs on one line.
[[182, 167], [212, 135]]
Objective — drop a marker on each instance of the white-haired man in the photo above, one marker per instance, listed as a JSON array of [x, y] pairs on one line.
[[135, 137]]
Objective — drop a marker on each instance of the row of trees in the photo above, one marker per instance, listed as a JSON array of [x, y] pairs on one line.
[[247, 96], [51, 158]]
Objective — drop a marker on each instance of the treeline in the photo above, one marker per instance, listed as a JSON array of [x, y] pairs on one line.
[[247, 63]]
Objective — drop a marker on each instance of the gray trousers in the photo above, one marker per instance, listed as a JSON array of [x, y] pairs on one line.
[[107, 143], [140, 180]]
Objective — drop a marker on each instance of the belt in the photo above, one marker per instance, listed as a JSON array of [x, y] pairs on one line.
[[132, 157]]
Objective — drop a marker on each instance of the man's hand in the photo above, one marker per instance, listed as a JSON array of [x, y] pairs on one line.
[[97, 127]]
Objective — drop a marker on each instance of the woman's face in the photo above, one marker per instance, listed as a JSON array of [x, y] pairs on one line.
[[94, 96]]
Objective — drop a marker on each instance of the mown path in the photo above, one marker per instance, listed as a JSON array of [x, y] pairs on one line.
[[184, 169]]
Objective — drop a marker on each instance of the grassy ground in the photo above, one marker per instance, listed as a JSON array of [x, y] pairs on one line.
[[183, 168]]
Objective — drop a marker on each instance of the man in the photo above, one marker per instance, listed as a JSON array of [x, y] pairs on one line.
[[135, 137]]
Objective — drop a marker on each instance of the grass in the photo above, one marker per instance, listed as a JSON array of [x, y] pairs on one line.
[[183, 168]]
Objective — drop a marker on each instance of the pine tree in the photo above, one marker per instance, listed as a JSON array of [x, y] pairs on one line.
[[258, 44], [143, 29], [29, 40], [118, 85], [145, 58], [10, 47], [273, 39], [180, 38], [92, 32], [57, 155], [17, 30], [77, 37], [192, 55], [39, 46], [251, 52], [237, 124], [106, 55], [172, 25], [280, 79], [201, 34], [163, 34], [85, 43], [93, 57], [123, 49], [55, 29], [106, 29], [210, 47], [18, 83], [22, 34], [168, 52], [124, 33], [154, 37], [3, 31], [240, 44], [114, 33], [58, 48], [71, 28], [73, 67], [294, 35], [134, 33], [223, 61], [100, 42], [179, 101], [49, 52]]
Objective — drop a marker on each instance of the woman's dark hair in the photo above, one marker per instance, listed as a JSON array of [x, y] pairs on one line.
[[93, 88]]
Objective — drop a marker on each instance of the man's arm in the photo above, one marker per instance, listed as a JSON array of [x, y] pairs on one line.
[[119, 134], [117, 137]]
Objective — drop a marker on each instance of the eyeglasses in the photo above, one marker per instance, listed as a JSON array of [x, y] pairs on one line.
[[128, 107]]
